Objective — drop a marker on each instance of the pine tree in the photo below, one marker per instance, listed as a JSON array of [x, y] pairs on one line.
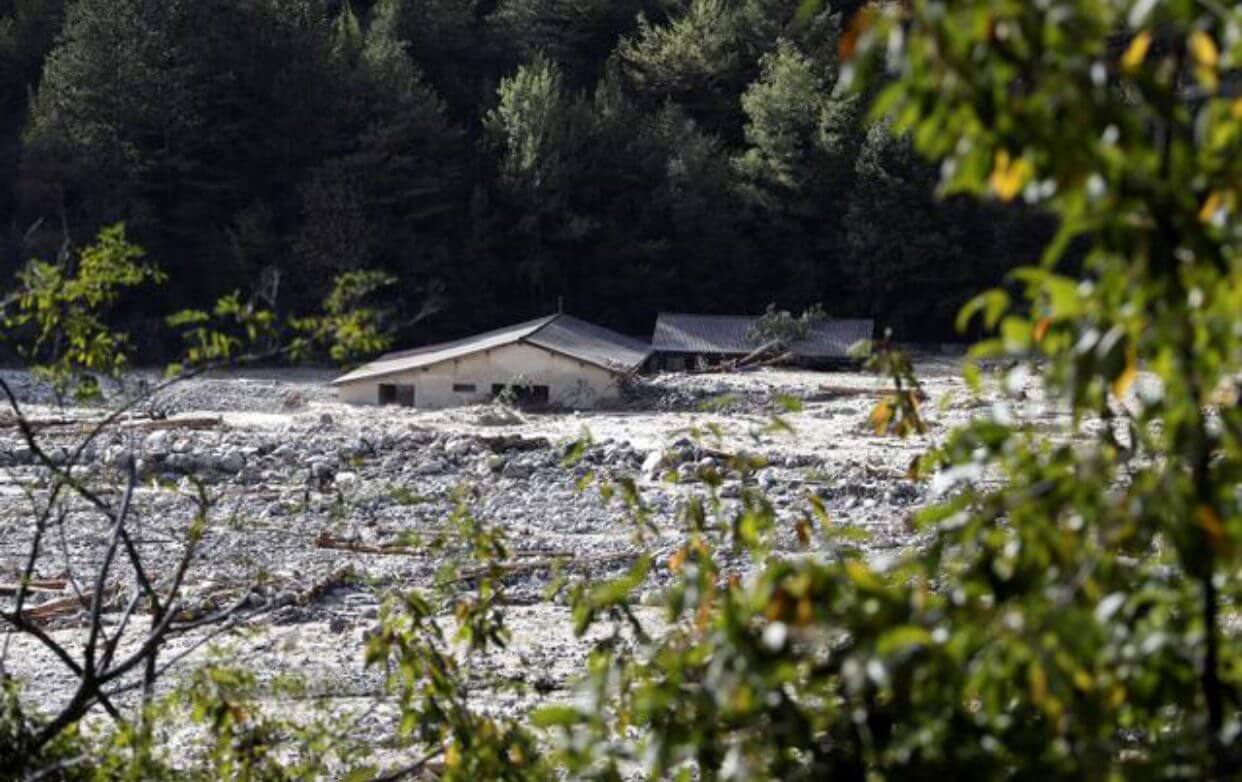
[[914, 258], [118, 111], [579, 35]]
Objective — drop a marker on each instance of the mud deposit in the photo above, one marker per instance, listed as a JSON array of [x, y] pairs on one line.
[[292, 469]]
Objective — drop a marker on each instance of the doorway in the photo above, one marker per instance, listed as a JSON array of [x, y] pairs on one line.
[[401, 396]]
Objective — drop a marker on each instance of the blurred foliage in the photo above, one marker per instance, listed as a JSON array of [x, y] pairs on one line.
[[1066, 616]]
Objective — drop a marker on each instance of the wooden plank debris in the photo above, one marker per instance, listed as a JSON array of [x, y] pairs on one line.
[[51, 586]]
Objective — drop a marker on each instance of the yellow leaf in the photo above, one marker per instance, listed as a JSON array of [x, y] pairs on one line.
[[779, 607], [1236, 109], [1122, 383], [1214, 203], [1009, 176], [1217, 535], [1083, 680], [452, 757], [849, 39], [1038, 681], [677, 559], [803, 529], [1203, 49], [1117, 696], [806, 612], [861, 575], [881, 415], [1210, 206], [1041, 329], [1136, 52]]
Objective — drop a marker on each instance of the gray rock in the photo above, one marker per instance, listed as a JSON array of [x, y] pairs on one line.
[[518, 469], [347, 481], [231, 462], [653, 463], [433, 467], [320, 469], [158, 443]]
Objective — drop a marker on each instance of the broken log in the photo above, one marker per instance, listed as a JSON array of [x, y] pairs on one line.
[[164, 424], [516, 442], [54, 587], [827, 392], [783, 358], [37, 424], [141, 425], [526, 567], [329, 541], [68, 606]]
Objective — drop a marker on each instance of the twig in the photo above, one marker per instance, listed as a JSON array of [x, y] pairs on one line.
[[413, 768]]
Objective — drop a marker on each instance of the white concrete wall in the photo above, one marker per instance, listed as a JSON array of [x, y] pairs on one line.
[[571, 383]]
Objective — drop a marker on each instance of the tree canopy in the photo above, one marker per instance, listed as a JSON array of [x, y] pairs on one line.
[[624, 157]]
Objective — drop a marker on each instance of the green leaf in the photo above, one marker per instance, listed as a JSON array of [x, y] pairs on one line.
[[556, 717], [901, 638]]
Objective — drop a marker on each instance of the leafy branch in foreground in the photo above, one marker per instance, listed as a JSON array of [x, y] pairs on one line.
[[134, 606], [1065, 617]]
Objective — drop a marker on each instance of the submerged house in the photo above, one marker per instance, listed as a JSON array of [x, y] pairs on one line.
[[557, 360], [684, 341]]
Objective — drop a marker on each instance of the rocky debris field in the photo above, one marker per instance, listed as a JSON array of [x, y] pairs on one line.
[[322, 509]]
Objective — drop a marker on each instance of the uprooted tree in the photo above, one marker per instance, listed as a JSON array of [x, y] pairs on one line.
[[1072, 610]]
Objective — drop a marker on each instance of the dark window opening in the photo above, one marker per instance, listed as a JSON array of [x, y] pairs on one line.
[[464, 388], [523, 395], [402, 396]]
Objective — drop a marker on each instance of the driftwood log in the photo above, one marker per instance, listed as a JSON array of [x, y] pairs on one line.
[[838, 392], [52, 586], [144, 425], [67, 606]]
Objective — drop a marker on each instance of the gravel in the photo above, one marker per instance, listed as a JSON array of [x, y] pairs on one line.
[[291, 466]]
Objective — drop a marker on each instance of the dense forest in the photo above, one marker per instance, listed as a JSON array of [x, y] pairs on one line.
[[497, 156]]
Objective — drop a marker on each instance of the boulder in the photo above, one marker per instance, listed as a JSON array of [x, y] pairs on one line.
[[158, 443], [231, 461]]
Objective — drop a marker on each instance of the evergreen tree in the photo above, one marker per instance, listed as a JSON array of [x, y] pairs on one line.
[[913, 258], [388, 199], [579, 35], [796, 174], [541, 130], [117, 117]]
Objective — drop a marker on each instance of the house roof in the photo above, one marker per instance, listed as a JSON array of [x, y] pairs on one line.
[[729, 335], [562, 334]]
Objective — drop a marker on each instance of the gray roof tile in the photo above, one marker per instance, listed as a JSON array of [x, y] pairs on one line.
[[729, 335]]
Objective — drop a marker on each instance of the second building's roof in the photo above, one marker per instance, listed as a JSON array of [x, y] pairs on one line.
[[562, 334], [730, 335]]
